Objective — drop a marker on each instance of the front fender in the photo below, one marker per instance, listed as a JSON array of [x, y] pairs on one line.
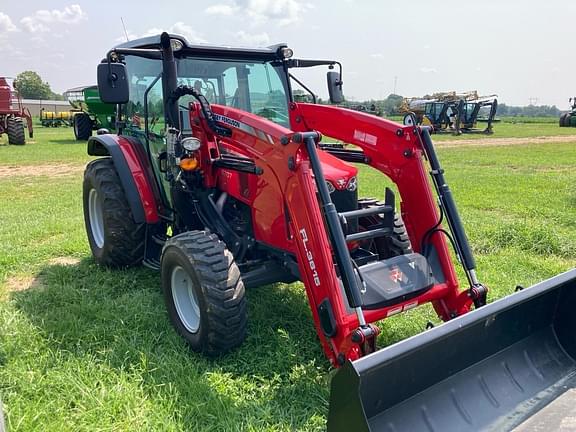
[[132, 172]]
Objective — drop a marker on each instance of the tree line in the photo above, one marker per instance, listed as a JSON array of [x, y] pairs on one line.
[[30, 86]]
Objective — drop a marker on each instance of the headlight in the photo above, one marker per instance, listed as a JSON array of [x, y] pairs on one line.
[[352, 184], [330, 186], [190, 144]]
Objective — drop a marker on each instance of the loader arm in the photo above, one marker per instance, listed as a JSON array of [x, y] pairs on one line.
[[287, 171], [397, 152]]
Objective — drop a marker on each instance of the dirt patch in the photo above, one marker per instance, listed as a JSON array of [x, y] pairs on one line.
[[64, 261], [48, 170], [506, 141], [23, 283]]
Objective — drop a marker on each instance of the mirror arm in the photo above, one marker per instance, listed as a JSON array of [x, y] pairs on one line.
[[153, 54], [340, 82], [304, 87]]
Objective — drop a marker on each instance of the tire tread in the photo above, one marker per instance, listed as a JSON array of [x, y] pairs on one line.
[[222, 286]]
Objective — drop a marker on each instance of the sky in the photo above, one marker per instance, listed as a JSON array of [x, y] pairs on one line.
[[519, 50]]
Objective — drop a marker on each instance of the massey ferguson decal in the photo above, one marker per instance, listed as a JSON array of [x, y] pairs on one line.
[[310, 257], [227, 120], [396, 275], [243, 127]]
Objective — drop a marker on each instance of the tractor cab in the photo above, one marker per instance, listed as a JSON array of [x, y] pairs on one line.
[[440, 114], [255, 81]]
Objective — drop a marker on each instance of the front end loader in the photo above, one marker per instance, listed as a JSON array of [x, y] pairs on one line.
[[223, 183]]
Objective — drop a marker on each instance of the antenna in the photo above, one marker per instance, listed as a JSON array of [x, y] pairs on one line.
[[125, 32]]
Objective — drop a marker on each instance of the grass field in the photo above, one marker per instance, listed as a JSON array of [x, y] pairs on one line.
[[509, 127], [87, 349]]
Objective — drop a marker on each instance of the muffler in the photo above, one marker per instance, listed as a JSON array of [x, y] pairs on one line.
[[491, 369]]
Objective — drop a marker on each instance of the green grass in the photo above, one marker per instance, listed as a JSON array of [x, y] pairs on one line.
[[55, 145], [88, 349], [519, 129], [511, 127]]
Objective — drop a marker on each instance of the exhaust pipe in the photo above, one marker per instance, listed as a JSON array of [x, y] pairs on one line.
[[490, 369], [169, 80]]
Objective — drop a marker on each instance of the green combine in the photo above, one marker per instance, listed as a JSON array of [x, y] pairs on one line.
[[569, 119], [91, 113]]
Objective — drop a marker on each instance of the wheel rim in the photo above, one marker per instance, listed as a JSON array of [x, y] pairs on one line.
[[96, 218], [185, 299]]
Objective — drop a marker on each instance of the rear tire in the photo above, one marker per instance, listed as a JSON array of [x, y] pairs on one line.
[[204, 292], [15, 131], [115, 239], [82, 127]]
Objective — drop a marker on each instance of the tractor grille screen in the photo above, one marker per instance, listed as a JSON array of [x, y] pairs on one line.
[[345, 201]]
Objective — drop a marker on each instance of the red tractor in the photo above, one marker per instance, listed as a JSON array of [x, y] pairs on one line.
[[12, 113], [220, 180]]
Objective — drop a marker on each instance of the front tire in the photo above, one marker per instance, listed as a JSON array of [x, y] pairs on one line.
[[15, 131], [204, 292], [115, 239]]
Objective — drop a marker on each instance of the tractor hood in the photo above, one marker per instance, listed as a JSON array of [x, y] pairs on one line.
[[336, 171]]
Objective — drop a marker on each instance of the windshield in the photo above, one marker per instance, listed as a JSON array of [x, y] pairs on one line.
[[256, 87], [259, 88]]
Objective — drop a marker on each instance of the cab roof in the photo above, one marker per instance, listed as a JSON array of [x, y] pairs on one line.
[[204, 50]]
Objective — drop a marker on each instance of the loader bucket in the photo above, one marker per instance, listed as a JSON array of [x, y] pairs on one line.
[[507, 363]]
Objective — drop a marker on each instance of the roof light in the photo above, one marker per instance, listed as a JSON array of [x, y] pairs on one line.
[[176, 44], [286, 52]]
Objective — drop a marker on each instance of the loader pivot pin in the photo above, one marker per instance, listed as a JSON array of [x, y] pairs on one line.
[[365, 338], [478, 294]]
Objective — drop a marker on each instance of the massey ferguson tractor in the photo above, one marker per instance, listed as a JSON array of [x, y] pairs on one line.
[[12, 114], [220, 180]]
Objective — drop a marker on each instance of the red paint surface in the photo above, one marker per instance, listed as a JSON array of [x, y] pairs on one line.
[[136, 167], [285, 206]]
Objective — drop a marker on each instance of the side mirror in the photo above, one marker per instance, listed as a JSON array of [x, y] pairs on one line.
[[112, 83], [335, 87]]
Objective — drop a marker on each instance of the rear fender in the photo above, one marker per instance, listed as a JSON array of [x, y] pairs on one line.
[[133, 173]]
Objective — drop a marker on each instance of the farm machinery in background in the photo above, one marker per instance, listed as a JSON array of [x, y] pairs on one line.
[[240, 193], [56, 119], [365, 108], [13, 114], [452, 112], [569, 119], [90, 112]]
